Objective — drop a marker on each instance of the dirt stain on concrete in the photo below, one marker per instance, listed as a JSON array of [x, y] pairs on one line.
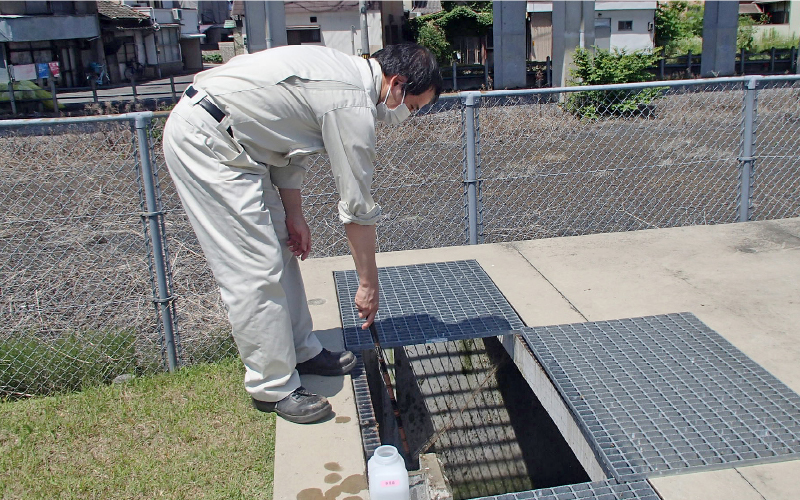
[[342, 420], [350, 484], [311, 494]]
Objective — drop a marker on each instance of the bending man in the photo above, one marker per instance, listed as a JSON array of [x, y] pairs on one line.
[[237, 145]]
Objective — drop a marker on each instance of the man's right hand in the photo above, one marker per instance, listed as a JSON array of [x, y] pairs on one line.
[[367, 303], [362, 246]]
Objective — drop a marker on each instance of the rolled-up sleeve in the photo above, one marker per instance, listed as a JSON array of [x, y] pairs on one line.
[[349, 138]]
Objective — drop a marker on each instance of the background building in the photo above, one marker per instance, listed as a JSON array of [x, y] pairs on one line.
[[617, 25], [73, 39]]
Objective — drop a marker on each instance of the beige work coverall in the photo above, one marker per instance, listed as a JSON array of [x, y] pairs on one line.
[[281, 105]]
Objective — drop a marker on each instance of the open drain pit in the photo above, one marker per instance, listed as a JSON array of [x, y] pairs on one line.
[[466, 402]]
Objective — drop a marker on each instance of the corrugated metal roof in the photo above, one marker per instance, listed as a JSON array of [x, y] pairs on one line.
[[114, 10], [429, 7]]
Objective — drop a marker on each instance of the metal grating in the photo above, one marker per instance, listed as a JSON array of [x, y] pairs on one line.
[[667, 393], [367, 422], [600, 490], [425, 303]]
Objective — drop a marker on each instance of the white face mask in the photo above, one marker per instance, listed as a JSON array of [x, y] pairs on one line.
[[393, 116]]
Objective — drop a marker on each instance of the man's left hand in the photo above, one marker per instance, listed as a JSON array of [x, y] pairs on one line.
[[299, 241]]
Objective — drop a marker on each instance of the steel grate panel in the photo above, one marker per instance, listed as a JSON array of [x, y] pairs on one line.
[[367, 422], [600, 490], [664, 393], [424, 303]]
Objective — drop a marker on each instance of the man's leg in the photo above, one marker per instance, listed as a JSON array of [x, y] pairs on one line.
[[311, 357], [228, 207]]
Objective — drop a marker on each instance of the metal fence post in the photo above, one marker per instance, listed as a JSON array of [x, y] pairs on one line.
[[93, 82], [470, 175], [164, 299], [742, 60], [747, 160], [172, 86], [12, 98], [54, 95]]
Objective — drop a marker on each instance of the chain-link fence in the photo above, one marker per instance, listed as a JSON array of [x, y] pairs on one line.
[[77, 305], [101, 273]]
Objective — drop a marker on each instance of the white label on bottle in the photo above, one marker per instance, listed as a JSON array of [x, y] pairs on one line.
[[390, 482]]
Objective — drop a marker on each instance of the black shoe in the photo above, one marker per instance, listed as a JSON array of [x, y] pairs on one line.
[[328, 363], [300, 407]]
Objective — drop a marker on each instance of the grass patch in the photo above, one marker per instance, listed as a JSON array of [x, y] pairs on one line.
[[186, 435], [31, 365]]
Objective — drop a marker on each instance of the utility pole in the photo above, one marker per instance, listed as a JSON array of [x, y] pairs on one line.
[[362, 9], [509, 44], [265, 25], [720, 22]]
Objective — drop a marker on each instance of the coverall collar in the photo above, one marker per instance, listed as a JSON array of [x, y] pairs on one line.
[[373, 80]]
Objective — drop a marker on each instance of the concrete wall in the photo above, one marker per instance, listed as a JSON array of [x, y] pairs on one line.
[[641, 13], [541, 26], [189, 22], [337, 29], [510, 45], [192, 56], [637, 39]]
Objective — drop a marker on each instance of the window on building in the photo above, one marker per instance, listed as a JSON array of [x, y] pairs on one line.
[[30, 52], [313, 19], [625, 26], [298, 35], [775, 12], [168, 45]]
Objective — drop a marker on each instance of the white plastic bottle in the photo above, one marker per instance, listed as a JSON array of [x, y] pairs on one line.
[[388, 478]]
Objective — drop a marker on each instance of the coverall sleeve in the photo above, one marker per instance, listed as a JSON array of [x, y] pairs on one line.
[[291, 176], [349, 138]]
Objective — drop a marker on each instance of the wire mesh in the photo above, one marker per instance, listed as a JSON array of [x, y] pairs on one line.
[[776, 184], [417, 182], [562, 164], [203, 328], [76, 285], [76, 302]]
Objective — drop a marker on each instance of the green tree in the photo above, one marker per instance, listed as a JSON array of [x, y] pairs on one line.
[[670, 23], [617, 66], [676, 24], [745, 34], [608, 67], [438, 30]]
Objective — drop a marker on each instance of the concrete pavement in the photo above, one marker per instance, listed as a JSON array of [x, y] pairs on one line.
[[742, 280]]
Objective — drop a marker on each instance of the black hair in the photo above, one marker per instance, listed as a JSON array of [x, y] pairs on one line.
[[414, 62]]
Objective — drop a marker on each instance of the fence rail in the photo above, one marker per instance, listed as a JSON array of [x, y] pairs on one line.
[[102, 274]]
